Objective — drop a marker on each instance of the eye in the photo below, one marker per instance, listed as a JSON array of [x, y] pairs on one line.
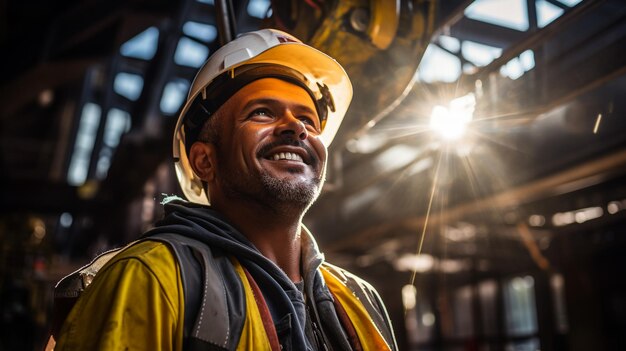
[[306, 120], [309, 122], [260, 113]]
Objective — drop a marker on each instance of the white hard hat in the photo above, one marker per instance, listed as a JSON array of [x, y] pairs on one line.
[[256, 55]]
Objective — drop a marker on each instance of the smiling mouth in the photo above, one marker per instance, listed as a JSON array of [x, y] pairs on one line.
[[289, 151], [289, 156]]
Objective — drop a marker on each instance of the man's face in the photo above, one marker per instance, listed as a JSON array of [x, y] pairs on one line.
[[269, 148]]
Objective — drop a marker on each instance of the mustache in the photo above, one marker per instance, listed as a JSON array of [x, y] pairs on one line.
[[263, 150]]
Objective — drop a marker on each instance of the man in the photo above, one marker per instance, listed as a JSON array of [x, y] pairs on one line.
[[242, 273]]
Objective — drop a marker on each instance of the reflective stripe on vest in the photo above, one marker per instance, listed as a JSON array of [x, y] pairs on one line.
[[369, 335], [254, 334]]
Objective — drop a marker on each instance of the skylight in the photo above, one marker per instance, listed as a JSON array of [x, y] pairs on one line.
[[258, 8], [469, 68], [505, 13], [527, 58], [479, 54], [118, 123], [83, 146], [128, 85], [190, 53], [173, 96], [104, 163], [201, 31], [143, 45], [570, 3], [437, 65], [513, 69], [546, 13], [450, 43], [519, 65]]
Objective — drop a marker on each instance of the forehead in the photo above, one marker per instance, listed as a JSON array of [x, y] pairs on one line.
[[279, 90]]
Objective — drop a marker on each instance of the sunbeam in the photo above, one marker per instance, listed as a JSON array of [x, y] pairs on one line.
[[425, 226]]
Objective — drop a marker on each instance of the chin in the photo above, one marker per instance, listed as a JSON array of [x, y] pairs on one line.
[[293, 192]]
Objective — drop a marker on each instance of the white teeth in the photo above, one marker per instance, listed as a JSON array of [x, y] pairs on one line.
[[286, 156]]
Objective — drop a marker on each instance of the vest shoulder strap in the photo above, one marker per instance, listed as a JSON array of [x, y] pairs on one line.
[[202, 270], [362, 303], [69, 288], [198, 265]]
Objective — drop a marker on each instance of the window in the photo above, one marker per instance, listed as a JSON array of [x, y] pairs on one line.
[[570, 3], [83, 146], [557, 285], [437, 65], [118, 122], [142, 46], [450, 43], [479, 54], [174, 94], [520, 308], [128, 85], [463, 312], [190, 53], [505, 13], [546, 13], [200, 31], [487, 292], [258, 8], [519, 65]]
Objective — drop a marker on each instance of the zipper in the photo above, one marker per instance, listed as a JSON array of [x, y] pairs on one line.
[[317, 333]]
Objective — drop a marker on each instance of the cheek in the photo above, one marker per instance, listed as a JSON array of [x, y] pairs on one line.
[[320, 149], [247, 144]]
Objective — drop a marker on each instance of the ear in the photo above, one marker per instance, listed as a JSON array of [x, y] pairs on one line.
[[202, 160]]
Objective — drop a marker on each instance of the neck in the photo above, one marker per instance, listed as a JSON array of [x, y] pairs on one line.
[[274, 231]]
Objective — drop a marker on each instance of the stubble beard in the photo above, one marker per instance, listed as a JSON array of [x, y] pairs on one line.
[[295, 193], [271, 192]]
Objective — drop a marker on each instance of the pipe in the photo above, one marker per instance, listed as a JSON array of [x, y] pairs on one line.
[[225, 18]]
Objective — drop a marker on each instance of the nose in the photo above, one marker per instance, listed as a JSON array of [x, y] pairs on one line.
[[289, 125]]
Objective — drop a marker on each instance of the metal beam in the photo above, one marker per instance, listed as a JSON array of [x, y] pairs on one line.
[[575, 178], [588, 73], [449, 12], [48, 75], [538, 37], [82, 23], [485, 33], [225, 18]]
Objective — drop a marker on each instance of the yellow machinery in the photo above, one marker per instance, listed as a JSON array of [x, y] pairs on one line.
[[379, 42]]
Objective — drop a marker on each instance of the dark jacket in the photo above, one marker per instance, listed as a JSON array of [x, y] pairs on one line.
[[285, 302]]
